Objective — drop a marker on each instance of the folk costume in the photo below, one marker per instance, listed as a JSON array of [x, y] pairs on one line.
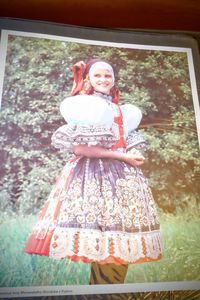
[[100, 211]]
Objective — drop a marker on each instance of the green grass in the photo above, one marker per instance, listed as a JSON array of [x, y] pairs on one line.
[[181, 259], [21, 269]]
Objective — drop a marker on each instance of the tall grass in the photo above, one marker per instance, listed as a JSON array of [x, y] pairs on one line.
[[21, 269], [181, 259]]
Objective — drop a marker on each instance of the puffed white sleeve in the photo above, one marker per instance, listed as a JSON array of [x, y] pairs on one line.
[[89, 121], [132, 117]]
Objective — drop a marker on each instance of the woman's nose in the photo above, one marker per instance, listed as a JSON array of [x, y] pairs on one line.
[[103, 78]]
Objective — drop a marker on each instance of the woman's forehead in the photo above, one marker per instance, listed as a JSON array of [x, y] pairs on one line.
[[101, 67]]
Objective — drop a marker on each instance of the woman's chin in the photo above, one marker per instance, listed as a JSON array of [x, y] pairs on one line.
[[103, 91]]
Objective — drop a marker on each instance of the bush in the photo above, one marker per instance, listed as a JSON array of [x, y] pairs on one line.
[[38, 78]]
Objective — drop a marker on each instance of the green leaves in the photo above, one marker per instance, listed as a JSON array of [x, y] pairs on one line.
[[38, 77]]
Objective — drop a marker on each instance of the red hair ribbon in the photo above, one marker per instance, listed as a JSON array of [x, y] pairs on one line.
[[78, 70]]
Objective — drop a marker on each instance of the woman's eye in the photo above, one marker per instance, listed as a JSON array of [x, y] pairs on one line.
[[107, 76]]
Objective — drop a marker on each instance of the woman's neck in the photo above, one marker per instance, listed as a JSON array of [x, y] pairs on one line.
[[102, 95]]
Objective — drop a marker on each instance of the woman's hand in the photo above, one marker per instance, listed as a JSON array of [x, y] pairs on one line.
[[134, 160], [134, 157]]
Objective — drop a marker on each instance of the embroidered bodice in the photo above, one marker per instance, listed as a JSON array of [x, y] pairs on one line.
[[91, 120]]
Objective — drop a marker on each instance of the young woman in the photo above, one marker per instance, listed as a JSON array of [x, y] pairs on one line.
[[101, 210]]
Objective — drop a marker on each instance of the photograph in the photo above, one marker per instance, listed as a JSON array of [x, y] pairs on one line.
[[100, 166]]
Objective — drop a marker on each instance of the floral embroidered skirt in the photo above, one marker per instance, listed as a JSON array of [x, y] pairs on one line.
[[99, 210]]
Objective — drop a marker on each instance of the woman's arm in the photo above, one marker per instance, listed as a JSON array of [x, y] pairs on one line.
[[134, 159]]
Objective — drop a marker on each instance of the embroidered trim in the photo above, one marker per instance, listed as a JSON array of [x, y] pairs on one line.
[[104, 96], [136, 140], [96, 245], [66, 136]]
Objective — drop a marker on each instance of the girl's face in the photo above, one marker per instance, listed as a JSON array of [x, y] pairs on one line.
[[101, 80]]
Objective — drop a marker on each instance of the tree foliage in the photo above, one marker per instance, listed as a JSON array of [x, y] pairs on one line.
[[38, 77]]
